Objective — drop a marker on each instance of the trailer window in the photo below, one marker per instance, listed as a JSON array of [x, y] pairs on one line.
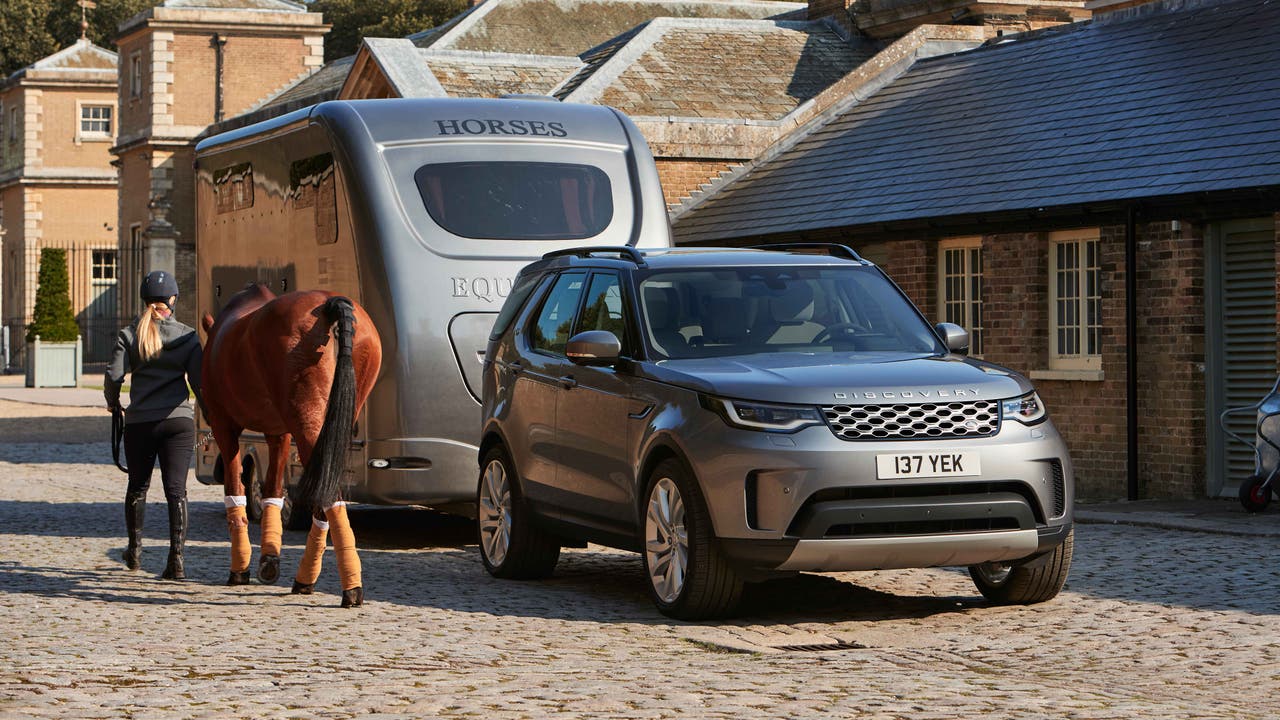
[[517, 200]]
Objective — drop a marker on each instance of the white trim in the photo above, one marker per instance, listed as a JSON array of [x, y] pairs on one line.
[[1076, 375], [966, 274], [109, 135], [1081, 360]]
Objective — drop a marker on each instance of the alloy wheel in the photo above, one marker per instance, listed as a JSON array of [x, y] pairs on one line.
[[495, 513], [666, 538], [995, 574]]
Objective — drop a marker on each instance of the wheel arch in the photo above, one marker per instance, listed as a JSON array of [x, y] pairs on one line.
[[661, 450]]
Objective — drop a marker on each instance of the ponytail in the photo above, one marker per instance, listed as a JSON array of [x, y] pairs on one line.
[[149, 343]]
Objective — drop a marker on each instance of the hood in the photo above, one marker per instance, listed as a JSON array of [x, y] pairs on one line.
[[839, 378]]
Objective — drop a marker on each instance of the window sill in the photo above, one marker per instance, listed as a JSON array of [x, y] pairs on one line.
[[1077, 375]]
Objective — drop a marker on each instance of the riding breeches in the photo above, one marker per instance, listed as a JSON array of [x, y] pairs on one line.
[[172, 442]]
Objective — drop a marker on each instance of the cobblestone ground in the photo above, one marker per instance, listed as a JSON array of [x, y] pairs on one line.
[[1153, 624]]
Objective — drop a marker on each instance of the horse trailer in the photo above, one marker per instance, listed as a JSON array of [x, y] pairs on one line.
[[423, 211]]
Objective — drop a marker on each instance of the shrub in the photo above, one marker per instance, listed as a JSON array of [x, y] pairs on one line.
[[53, 320]]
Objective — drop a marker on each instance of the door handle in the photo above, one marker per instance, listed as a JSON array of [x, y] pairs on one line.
[[568, 382]]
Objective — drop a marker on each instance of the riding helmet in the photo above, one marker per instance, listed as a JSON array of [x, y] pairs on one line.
[[159, 285]]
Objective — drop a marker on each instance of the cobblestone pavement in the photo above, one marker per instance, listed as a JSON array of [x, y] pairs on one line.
[[1155, 623]]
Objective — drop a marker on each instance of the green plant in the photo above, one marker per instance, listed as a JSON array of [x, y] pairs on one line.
[[53, 319]]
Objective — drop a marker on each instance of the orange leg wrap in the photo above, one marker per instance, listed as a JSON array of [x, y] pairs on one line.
[[271, 530], [344, 546], [241, 548], [309, 568]]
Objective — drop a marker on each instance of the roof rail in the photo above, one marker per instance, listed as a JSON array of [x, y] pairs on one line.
[[832, 249], [625, 252]]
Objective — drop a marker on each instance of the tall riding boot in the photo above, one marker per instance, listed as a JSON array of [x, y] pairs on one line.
[[135, 506], [173, 569]]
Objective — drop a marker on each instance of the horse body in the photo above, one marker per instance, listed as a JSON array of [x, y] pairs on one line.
[[294, 366]]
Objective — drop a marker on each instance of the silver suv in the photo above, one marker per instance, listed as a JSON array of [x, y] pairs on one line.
[[734, 415]]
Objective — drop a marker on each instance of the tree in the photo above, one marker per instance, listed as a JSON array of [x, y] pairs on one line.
[[53, 320], [354, 20], [33, 29]]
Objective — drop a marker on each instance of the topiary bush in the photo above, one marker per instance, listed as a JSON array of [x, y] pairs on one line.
[[53, 319]]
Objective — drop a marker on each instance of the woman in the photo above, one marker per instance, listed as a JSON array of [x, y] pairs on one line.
[[163, 355]]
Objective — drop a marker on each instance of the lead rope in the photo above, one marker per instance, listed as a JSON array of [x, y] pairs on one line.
[[117, 435]]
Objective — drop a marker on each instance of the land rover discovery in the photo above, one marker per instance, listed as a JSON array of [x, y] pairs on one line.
[[737, 414]]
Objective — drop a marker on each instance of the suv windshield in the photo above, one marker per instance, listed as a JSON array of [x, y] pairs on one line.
[[741, 311]]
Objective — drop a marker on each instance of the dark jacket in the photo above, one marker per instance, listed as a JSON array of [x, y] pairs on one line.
[[158, 387]]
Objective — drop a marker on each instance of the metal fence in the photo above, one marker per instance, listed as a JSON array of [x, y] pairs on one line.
[[94, 275]]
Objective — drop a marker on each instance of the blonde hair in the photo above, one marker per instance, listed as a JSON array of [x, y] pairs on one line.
[[149, 343]]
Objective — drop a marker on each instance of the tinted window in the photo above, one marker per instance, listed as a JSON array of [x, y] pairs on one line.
[[517, 200], [524, 286], [740, 311], [555, 319], [603, 308]]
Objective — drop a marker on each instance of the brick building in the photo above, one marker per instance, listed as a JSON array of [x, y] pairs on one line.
[[184, 65], [58, 190], [1097, 202]]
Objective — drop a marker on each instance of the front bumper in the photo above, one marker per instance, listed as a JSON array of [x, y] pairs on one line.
[[811, 501]]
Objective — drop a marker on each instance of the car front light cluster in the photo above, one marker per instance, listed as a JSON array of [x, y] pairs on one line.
[[1028, 409], [766, 417]]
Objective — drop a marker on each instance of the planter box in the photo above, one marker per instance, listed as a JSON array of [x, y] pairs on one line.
[[53, 364]]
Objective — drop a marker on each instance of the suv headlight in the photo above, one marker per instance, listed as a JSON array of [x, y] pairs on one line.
[[763, 416], [1028, 409]]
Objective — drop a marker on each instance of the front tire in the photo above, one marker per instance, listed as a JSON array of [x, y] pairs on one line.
[[689, 576], [1253, 496], [1020, 585], [511, 545]]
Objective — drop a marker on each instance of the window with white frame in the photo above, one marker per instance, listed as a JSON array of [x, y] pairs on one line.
[[95, 121], [105, 267], [960, 287], [135, 75], [14, 119], [1075, 300]]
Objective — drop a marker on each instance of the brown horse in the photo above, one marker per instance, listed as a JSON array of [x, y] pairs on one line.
[[269, 366]]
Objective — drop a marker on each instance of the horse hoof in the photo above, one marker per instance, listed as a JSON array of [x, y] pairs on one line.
[[300, 589], [238, 578], [269, 569], [353, 597]]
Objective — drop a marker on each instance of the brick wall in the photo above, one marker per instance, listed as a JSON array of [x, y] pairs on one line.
[[681, 177], [254, 66], [63, 146], [1091, 415]]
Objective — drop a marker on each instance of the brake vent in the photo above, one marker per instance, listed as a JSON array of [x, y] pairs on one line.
[[1059, 488], [822, 647]]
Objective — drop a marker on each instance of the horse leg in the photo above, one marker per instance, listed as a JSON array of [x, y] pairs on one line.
[[344, 549], [304, 582], [237, 516], [272, 503]]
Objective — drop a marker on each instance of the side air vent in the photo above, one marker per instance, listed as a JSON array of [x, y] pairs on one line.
[[1059, 488]]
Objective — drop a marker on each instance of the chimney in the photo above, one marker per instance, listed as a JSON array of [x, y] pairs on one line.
[[837, 10]]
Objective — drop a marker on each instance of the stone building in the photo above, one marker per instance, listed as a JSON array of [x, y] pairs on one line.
[[185, 65], [1098, 203], [58, 190]]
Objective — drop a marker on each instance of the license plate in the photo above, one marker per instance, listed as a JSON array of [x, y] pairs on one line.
[[927, 465]]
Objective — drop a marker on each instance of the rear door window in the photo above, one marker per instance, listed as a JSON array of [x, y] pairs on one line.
[[555, 319], [506, 200]]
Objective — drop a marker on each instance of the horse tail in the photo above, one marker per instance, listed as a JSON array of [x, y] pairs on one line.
[[318, 488]]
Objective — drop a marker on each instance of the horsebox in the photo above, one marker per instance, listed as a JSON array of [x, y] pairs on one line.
[[423, 211]]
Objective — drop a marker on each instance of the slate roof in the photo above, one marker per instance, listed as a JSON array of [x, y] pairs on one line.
[[1129, 106], [321, 85], [467, 74], [730, 69], [81, 59], [572, 27]]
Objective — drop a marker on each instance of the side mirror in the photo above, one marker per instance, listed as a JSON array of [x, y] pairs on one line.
[[955, 337], [593, 347]]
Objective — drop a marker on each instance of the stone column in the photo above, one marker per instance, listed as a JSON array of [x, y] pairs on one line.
[[160, 238]]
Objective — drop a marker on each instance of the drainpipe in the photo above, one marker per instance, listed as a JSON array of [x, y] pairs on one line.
[[219, 44], [1131, 345]]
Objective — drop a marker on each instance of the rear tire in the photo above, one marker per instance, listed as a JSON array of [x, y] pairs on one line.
[[1253, 496], [689, 576], [294, 516], [512, 546], [1020, 585], [252, 489]]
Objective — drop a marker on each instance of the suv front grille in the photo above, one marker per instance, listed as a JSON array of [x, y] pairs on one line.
[[906, 422]]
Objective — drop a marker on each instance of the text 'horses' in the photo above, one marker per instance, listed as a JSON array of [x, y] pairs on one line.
[[271, 365]]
